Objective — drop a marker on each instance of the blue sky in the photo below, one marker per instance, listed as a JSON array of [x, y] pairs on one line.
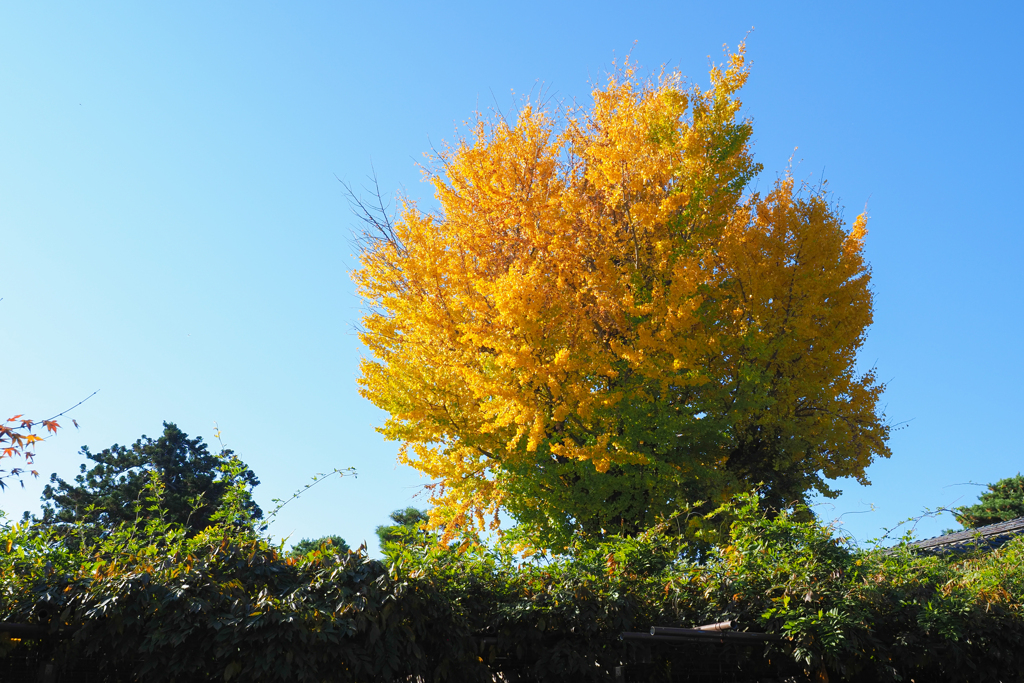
[[175, 236]]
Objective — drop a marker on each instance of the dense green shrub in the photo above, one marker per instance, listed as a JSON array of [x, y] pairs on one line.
[[150, 602]]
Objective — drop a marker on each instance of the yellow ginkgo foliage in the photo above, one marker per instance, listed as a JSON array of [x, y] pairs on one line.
[[601, 323]]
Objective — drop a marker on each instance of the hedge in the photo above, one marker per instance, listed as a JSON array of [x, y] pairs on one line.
[[149, 603]]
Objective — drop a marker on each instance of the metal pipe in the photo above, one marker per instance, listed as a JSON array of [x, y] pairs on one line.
[[720, 626], [699, 635], [23, 630]]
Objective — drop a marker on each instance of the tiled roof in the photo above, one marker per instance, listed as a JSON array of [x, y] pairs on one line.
[[986, 537]]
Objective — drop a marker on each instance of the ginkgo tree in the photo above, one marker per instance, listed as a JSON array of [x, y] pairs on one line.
[[601, 322]]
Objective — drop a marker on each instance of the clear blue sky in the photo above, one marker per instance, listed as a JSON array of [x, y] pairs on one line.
[[174, 234]]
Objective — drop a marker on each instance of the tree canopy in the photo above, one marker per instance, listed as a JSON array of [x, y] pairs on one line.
[[601, 321], [406, 528], [308, 545], [194, 484], [1003, 501]]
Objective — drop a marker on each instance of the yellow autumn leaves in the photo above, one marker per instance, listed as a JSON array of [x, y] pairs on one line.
[[600, 323]]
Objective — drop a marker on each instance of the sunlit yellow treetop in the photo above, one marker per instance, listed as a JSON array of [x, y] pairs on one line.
[[602, 322]]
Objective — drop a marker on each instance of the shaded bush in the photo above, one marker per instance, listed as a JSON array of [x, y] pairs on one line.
[[225, 604]]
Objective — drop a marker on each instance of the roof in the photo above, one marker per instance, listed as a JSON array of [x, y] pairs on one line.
[[987, 537]]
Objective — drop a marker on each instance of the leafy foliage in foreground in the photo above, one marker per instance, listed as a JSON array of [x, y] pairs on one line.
[[242, 610]]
